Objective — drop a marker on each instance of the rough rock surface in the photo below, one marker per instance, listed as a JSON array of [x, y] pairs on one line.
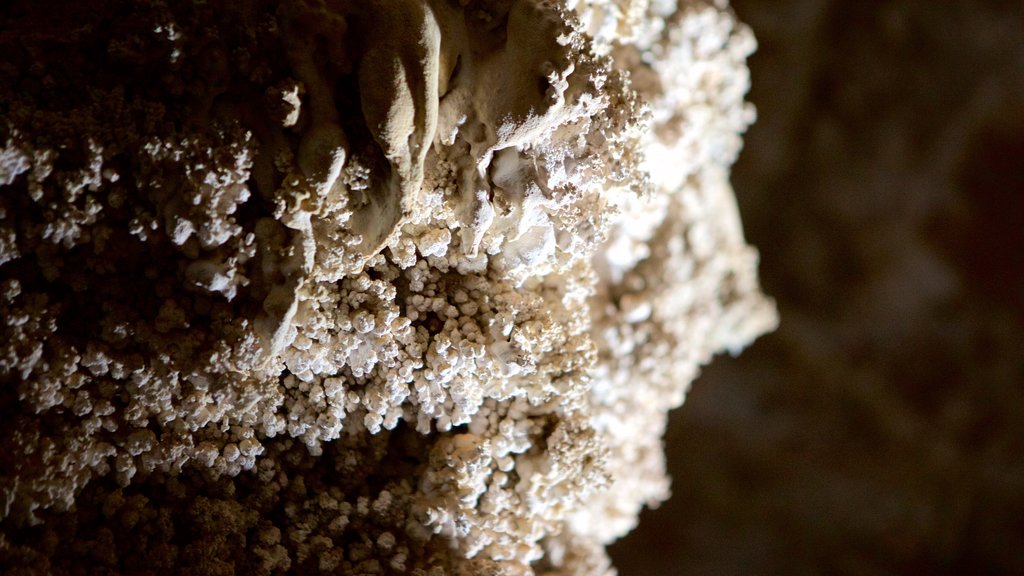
[[358, 287]]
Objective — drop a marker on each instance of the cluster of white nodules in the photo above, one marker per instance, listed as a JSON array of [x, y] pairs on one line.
[[528, 255]]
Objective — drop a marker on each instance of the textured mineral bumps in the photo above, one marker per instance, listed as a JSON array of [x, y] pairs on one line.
[[358, 287]]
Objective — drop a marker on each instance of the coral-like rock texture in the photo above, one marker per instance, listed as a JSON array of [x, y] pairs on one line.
[[358, 287]]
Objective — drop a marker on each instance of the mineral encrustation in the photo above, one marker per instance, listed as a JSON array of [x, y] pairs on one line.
[[358, 287]]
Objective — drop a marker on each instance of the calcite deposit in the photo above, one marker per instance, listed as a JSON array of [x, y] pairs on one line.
[[358, 287]]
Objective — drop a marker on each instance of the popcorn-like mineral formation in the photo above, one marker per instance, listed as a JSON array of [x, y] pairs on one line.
[[374, 287]]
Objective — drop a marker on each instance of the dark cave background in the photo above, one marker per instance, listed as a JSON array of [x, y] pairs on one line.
[[880, 430]]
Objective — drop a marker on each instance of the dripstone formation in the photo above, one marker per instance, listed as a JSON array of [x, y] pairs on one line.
[[358, 287]]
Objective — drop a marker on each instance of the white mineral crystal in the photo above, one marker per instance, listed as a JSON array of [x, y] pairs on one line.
[[523, 244]]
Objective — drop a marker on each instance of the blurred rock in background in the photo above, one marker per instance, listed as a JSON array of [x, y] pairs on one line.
[[880, 430]]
